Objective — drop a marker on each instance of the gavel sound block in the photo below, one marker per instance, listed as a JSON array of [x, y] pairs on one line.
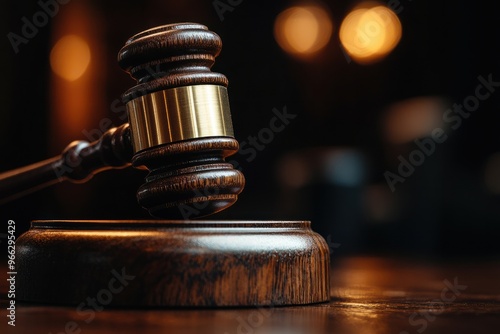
[[179, 129]]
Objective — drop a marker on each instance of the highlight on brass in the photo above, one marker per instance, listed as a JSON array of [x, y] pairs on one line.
[[70, 57], [303, 30], [370, 32], [185, 112]]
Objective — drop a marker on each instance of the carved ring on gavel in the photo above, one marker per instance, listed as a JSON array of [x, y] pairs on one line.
[[179, 128]]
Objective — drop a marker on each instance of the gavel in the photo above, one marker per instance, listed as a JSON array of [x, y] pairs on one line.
[[179, 128]]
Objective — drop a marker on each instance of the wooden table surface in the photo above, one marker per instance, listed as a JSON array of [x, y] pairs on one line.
[[369, 295]]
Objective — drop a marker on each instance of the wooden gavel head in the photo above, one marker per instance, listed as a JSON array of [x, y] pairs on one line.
[[180, 122], [179, 129]]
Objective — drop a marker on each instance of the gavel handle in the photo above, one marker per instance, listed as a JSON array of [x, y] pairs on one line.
[[78, 163]]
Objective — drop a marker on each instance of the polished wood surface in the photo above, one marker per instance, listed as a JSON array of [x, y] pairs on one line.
[[189, 179], [368, 295], [155, 263], [169, 56]]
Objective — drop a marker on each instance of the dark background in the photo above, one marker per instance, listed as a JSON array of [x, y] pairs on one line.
[[444, 209]]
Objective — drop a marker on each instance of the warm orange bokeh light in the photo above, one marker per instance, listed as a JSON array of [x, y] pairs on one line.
[[70, 57], [303, 30], [492, 173], [370, 32], [413, 118]]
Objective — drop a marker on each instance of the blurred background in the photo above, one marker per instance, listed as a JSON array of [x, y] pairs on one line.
[[377, 121]]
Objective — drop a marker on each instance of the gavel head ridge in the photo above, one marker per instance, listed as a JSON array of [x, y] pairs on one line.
[[180, 122]]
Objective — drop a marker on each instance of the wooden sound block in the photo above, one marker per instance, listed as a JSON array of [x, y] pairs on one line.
[[172, 263]]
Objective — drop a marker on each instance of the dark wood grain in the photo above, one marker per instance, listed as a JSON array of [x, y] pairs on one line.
[[173, 263], [169, 56], [189, 179]]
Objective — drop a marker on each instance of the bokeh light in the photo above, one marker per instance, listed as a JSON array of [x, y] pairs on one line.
[[413, 118], [70, 57], [370, 32], [492, 173], [302, 31]]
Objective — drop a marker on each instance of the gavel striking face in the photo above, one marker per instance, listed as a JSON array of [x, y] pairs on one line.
[[179, 128]]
